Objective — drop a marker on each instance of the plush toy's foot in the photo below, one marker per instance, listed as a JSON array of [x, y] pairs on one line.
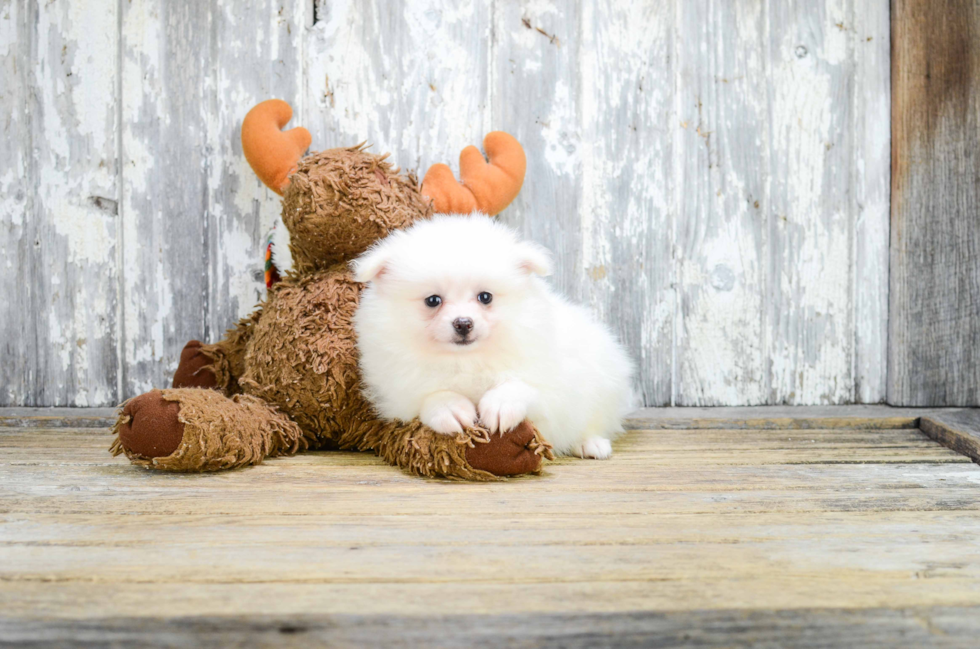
[[150, 426], [512, 453], [201, 430], [474, 454], [195, 369]]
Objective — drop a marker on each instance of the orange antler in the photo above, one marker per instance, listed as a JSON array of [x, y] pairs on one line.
[[485, 187], [272, 152]]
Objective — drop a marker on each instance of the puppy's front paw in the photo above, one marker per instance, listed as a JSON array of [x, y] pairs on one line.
[[500, 411], [595, 448], [448, 412]]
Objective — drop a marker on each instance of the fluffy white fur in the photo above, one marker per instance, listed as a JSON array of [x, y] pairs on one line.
[[528, 353], [282, 257]]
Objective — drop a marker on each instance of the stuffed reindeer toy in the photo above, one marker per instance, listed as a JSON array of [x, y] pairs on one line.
[[285, 379]]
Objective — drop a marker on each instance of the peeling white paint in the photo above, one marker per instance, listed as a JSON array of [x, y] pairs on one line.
[[92, 49], [9, 22], [11, 205], [88, 231], [423, 107], [688, 163], [836, 29], [560, 134], [811, 355], [74, 140]]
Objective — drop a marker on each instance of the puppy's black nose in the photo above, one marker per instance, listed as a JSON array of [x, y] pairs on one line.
[[463, 326]]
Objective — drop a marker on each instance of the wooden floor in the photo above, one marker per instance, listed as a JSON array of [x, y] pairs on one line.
[[709, 536]]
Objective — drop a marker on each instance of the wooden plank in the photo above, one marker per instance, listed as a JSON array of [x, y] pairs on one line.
[[18, 349], [461, 529], [166, 64], [537, 95], [645, 448], [723, 180], [779, 417], [764, 417], [409, 80], [806, 557], [74, 268], [93, 600], [923, 487], [804, 628], [625, 110], [809, 317], [758, 227], [709, 522], [57, 417], [256, 56], [331, 473], [66, 439], [727, 468], [202, 549], [31, 599], [934, 334], [959, 431], [870, 44]]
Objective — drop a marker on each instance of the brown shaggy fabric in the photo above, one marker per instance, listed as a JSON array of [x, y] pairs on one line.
[[228, 354], [291, 367], [196, 368], [218, 432], [303, 355], [341, 201]]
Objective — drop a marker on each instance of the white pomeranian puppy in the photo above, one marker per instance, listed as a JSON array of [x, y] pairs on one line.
[[457, 326]]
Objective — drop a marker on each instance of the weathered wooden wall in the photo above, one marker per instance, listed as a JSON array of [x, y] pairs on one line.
[[713, 175], [934, 354]]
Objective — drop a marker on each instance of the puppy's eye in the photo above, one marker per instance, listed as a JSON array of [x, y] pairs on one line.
[[484, 298], [433, 301]]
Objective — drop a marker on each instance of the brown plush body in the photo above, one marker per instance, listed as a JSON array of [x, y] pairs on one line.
[[286, 378]]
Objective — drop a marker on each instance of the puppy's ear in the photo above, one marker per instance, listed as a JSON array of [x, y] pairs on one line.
[[532, 258], [371, 265]]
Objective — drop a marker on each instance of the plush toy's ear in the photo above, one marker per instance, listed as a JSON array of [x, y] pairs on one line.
[[533, 259], [371, 265], [483, 187], [271, 152]]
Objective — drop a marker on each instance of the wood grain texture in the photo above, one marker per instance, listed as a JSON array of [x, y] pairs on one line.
[[934, 332], [195, 215], [769, 262], [788, 417], [72, 226], [18, 229], [810, 223], [538, 97], [166, 63], [959, 431], [590, 93], [258, 54], [59, 417], [805, 628], [711, 176], [721, 129], [626, 275], [411, 80], [774, 534], [871, 185]]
